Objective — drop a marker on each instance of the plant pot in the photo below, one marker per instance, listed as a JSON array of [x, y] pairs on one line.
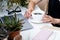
[[15, 36]]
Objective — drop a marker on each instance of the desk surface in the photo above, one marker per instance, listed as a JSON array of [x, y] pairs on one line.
[[29, 34]]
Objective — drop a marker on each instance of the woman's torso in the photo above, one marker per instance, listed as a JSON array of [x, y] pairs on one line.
[[52, 6], [54, 9]]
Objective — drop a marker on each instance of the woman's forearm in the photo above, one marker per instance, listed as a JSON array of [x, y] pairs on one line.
[[31, 5], [57, 21]]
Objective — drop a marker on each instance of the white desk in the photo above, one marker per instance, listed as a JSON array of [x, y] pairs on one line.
[[29, 34]]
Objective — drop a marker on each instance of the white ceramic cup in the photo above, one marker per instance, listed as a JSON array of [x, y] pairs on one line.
[[37, 16]]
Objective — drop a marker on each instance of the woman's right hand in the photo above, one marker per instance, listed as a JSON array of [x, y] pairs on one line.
[[30, 9], [27, 14]]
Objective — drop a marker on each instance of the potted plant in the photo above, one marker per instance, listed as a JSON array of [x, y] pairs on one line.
[[13, 25], [22, 3]]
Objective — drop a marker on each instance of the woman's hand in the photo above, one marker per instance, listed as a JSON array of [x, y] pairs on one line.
[[49, 19], [31, 7], [27, 13]]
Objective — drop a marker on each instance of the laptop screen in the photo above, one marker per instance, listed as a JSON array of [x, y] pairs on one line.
[[26, 25]]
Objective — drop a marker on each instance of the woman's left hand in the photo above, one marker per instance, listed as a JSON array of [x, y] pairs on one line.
[[49, 19]]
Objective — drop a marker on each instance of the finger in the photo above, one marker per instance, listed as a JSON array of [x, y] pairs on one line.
[[46, 20], [26, 14], [29, 14], [47, 16]]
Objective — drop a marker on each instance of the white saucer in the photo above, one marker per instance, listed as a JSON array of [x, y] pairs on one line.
[[37, 22]]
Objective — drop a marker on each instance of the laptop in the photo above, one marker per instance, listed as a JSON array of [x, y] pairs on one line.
[[26, 25]]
